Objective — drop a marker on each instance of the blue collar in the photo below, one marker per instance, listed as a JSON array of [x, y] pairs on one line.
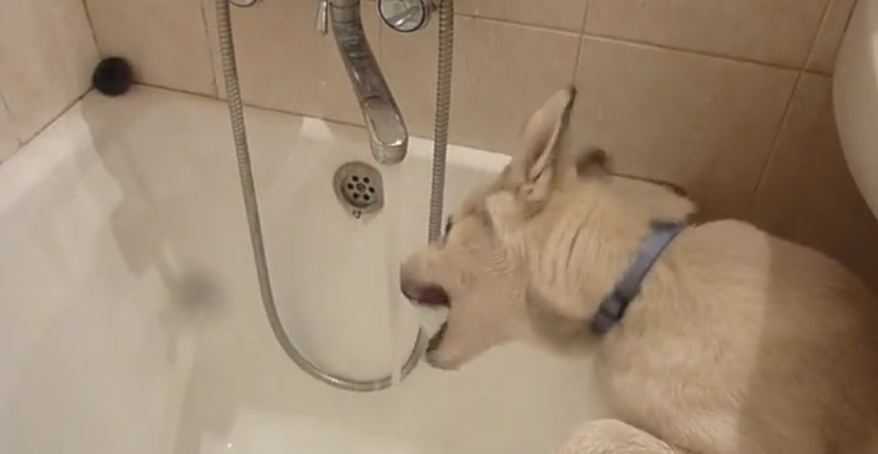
[[614, 305]]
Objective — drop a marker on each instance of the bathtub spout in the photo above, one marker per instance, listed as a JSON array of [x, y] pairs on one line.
[[388, 136]]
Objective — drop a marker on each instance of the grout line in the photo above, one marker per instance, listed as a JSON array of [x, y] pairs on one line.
[[91, 28], [772, 151], [179, 90], [664, 47], [581, 41], [3, 103], [849, 18], [5, 106], [585, 17], [847, 23], [185, 92], [210, 50], [534, 27], [252, 106], [630, 41], [820, 29], [817, 72], [56, 117]]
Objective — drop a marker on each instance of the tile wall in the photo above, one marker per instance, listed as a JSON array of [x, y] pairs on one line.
[[730, 99], [47, 53]]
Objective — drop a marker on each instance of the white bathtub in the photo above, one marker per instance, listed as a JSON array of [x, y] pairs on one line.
[[130, 320]]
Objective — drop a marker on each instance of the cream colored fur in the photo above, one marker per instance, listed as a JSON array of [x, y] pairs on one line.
[[740, 343]]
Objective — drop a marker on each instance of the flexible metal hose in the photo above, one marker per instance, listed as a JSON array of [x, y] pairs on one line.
[[443, 114], [251, 202]]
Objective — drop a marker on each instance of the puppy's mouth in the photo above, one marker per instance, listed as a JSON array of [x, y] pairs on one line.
[[430, 296]]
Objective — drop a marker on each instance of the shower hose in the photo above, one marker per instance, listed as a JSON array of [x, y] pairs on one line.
[[251, 203]]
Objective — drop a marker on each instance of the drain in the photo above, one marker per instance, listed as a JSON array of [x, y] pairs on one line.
[[359, 188]]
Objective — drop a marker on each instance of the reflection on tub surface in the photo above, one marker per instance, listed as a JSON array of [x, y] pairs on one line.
[[131, 319]]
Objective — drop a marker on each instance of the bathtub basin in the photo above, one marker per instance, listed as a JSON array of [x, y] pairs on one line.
[[130, 320]]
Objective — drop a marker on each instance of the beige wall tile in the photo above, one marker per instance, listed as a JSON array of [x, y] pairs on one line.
[[773, 31], [285, 64], [559, 14], [705, 123], [165, 40], [822, 58], [502, 73], [807, 194], [46, 57], [8, 139]]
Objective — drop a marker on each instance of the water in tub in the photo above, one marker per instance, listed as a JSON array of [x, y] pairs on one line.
[[336, 277], [400, 340]]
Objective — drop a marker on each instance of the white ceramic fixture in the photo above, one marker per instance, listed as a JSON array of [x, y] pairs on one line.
[[130, 320], [856, 99]]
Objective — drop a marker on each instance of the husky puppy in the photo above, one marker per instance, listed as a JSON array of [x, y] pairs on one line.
[[734, 342]]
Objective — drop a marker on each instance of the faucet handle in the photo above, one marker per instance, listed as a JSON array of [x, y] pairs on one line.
[[322, 25]]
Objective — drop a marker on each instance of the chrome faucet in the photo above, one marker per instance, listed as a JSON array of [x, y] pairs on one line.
[[407, 16], [388, 135]]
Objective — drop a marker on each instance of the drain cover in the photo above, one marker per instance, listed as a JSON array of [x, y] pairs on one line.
[[359, 188]]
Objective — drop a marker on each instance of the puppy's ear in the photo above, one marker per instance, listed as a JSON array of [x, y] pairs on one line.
[[533, 168]]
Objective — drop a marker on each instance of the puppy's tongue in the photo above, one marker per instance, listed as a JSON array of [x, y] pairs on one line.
[[432, 318]]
